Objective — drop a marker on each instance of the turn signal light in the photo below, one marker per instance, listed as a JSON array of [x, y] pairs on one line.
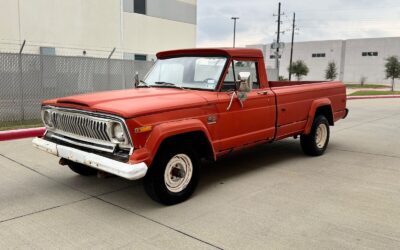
[[143, 129]]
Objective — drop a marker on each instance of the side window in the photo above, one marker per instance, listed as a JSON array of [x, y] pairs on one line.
[[240, 66]]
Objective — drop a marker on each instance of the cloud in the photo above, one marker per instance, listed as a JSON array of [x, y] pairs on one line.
[[317, 20]]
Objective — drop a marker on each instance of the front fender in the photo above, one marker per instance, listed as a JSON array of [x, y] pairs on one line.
[[313, 109], [165, 130]]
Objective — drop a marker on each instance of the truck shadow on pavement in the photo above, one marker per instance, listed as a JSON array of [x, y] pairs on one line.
[[228, 169], [249, 160]]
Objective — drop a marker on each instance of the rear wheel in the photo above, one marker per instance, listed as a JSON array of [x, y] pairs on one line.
[[316, 142], [174, 174], [82, 169]]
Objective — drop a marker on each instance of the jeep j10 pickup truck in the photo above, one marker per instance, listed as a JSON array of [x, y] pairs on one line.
[[193, 104]]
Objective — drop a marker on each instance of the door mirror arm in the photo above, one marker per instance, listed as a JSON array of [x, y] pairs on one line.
[[233, 94], [137, 81]]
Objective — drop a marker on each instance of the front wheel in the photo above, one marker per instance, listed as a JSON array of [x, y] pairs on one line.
[[316, 142], [174, 174]]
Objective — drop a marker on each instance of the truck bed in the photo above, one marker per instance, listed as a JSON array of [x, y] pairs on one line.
[[294, 101]]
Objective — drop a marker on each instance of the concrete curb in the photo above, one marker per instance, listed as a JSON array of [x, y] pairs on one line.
[[21, 133], [372, 97]]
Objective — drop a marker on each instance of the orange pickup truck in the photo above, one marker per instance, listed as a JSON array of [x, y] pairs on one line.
[[194, 104]]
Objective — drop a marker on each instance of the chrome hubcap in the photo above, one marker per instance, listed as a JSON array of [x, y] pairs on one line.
[[321, 135], [178, 173]]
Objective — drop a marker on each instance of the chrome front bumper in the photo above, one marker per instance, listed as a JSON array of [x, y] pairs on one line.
[[125, 170]]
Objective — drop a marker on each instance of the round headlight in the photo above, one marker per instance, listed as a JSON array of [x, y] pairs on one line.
[[118, 132], [47, 118]]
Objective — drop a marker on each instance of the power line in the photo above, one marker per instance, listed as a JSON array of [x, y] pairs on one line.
[[347, 20], [350, 9]]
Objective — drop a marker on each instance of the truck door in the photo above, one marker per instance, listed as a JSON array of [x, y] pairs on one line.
[[254, 121]]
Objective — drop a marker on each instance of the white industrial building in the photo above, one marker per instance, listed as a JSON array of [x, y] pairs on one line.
[[355, 59], [135, 28]]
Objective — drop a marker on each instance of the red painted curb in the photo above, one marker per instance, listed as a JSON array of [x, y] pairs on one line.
[[21, 133], [372, 97]]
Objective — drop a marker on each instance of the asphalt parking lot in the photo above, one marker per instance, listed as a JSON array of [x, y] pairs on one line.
[[269, 197]]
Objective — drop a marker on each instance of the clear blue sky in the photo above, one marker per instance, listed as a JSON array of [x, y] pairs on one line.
[[317, 20]]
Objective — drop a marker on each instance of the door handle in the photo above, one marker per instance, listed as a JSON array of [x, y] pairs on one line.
[[263, 92]]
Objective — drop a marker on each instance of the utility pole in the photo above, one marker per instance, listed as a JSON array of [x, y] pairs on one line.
[[21, 81], [278, 39], [234, 29], [291, 49]]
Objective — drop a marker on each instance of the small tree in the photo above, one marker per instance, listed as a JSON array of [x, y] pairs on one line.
[[392, 69], [331, 71], [299, 69], [363, 79], [282, 78]]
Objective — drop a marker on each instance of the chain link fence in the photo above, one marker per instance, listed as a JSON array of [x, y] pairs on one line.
[[26, 80]]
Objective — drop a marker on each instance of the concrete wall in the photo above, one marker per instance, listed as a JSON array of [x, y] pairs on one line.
[[371, 67], [96, 26], [347, 54], [148, 35], [317, 65], [172, 10]]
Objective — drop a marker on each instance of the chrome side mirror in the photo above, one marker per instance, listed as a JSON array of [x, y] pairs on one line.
[[244, 82], [244, 85], [137, 81]]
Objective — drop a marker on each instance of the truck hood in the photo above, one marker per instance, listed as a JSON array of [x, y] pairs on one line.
[[129, 103]]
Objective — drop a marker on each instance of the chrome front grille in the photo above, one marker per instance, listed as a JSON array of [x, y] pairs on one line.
[[80, 125], [86, 129]]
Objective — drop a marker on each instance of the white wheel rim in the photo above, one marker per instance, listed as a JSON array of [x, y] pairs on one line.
[[321, 136], [178, 173]]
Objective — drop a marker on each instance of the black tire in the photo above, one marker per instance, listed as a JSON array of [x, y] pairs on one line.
[[82, 169], [155, 183], [312, 144]]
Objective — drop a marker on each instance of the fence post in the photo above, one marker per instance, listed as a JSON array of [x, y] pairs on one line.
[[108, 73], [123, 73], [41, 76], [21, 81], [109, 68]]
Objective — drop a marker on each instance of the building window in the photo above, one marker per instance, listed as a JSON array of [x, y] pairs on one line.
[[318, 55], [369, 53], [48, 51], [273, 56], [140, 57], [139, 6]]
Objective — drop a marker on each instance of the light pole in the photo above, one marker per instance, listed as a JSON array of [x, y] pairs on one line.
[[234, 29]]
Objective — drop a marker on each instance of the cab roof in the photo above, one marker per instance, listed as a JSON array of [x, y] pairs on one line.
[[229, 52]]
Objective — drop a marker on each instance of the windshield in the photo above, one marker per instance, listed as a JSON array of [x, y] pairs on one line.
[[187, 72]]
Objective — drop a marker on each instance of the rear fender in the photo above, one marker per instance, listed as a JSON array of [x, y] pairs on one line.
[[313, 109]]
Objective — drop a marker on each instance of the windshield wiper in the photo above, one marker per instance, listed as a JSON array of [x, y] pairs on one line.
[[168, 84], [145, 84]]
